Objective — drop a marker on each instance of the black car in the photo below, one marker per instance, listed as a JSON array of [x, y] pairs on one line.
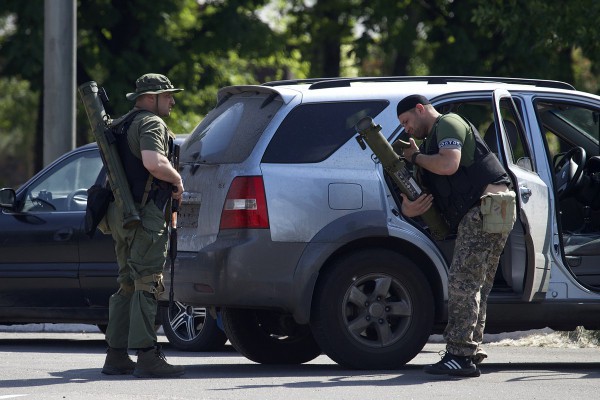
[[52, 272]]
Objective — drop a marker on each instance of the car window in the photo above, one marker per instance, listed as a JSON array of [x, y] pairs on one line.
[[479, 112], [517, 149], [312, 132], [566, 125], [50, 192], [230, 131]]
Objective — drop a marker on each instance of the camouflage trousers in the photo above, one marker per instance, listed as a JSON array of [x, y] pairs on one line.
[[476, 257]]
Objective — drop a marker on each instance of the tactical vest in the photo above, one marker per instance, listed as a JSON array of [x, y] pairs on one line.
[[455, 194], [138, 176]]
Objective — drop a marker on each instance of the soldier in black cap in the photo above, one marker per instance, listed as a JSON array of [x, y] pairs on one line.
[[471, 189]]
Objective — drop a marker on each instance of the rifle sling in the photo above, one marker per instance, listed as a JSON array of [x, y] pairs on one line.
[[147, 189]]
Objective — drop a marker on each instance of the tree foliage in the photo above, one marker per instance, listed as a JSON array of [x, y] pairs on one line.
[[16, 126], [203, 45], [549, 38]]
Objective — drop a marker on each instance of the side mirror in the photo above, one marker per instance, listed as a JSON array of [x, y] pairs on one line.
[[8, 198]]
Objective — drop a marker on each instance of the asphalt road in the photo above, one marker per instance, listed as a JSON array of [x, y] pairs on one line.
[[47, 365]]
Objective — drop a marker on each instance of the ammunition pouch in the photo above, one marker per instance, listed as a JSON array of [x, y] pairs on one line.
[[498, 211], [152, 284]]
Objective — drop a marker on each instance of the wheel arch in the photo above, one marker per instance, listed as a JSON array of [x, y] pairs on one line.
[[319, 256]]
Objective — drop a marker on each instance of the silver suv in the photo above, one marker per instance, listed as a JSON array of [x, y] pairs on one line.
[[293, 231]]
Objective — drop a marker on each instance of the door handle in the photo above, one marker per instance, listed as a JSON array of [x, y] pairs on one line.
[[64, 234], [525, 192]]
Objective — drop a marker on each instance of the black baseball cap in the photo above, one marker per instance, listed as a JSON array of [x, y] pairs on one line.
[[410, 102]]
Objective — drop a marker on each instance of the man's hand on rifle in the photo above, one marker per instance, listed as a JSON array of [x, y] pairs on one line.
[[177, 190]]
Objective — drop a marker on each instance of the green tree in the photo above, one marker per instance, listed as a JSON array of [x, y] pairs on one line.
[[22, 57], [473, 37], [120, 40], [226, 43], [16, 127], [319, 30], [542, 39], [392, 37], [201, 46]]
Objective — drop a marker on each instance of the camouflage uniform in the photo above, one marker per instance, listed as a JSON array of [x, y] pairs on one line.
[[464, 200], [472, 272], [477, 252]]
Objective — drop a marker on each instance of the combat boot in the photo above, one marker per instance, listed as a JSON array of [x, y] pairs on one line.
[[117, 362], [153, 364]]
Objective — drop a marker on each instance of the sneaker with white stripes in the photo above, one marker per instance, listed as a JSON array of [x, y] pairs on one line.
[[454, 365]]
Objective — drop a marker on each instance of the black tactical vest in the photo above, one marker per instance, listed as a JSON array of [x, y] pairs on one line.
[[137, 174], [456, 194]]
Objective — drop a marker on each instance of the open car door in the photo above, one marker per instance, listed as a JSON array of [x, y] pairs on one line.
[[530, 274]]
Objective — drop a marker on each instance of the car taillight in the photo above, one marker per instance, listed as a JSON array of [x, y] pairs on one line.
[[245, 205]]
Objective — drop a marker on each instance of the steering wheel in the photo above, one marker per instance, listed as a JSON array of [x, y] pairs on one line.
[[72, 204], [568, 171]]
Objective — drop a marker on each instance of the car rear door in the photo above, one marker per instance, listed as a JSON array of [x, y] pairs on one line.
[[533, 200]]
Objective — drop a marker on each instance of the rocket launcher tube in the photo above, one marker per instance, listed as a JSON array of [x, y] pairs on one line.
[[117, 179], [395, 166]]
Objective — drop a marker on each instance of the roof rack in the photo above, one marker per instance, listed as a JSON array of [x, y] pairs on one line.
[[323, 83]]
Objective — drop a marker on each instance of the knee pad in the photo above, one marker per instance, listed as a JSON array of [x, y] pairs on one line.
[[125, 289], [152, 284]]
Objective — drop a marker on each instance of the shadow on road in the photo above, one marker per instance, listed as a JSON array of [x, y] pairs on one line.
[[227, 365]]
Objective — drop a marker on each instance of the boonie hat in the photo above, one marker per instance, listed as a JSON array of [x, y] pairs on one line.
[[410, 102], [152, 84]]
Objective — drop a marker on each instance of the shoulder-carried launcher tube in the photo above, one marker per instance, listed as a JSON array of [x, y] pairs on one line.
[[117, 179], [395, 166]]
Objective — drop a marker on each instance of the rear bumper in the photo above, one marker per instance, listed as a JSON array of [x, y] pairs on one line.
[[242, 268]]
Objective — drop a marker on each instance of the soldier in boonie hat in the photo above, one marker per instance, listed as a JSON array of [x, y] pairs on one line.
[[141, 251], [152, 84]]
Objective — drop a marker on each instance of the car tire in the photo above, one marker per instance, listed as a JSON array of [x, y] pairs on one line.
[[191, 328], [372, 309], [269, 337]]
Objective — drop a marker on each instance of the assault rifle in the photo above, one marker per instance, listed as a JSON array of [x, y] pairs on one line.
[[395, 166]]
